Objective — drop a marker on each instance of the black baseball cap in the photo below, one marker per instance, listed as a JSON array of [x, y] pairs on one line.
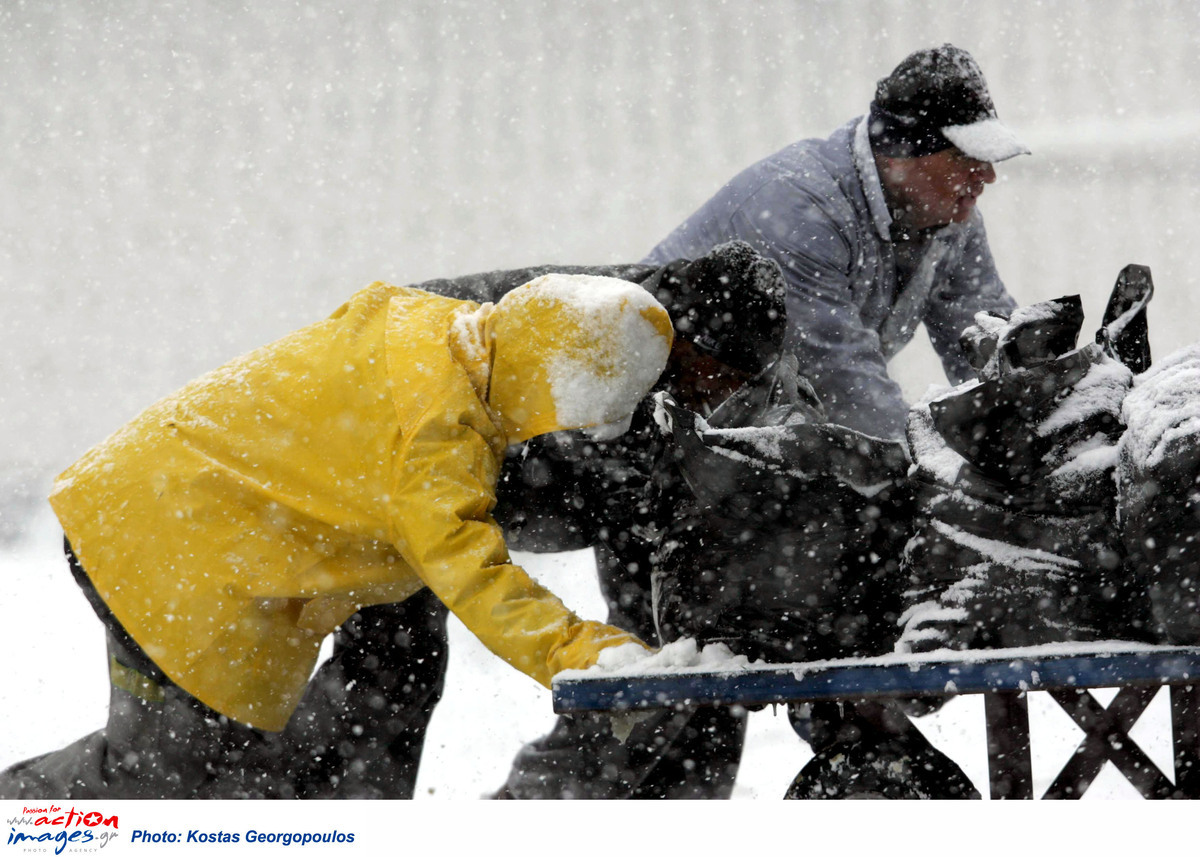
[[938, 98], [728, 304]]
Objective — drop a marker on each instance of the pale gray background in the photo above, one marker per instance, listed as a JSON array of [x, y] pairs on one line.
[[184, 181]]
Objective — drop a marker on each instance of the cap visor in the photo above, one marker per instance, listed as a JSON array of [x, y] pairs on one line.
[[986, 140]]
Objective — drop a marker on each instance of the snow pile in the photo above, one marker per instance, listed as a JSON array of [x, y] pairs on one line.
[[684, 655]]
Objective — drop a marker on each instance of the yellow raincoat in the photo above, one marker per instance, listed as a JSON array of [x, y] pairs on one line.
[[233, 525]]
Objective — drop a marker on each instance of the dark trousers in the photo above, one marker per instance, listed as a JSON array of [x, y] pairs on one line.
[[665, 754]]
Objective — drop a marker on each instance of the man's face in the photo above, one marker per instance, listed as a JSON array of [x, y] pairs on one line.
[[699, 382], [936, 189]]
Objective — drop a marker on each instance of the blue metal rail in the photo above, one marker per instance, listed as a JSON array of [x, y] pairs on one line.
[[1037, 668]]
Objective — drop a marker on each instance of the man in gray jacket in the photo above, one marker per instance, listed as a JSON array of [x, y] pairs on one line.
[[876, 231]]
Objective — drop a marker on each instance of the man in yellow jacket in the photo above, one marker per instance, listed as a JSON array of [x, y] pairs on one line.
[[229, 528]]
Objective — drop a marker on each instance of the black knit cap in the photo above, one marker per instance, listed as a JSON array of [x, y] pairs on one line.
[[938, 98], [728, 304]]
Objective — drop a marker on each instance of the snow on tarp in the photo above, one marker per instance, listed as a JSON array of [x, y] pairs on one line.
[[795, 448], [1014, 477], [1163, 406], [1101, 390], [930, 454]]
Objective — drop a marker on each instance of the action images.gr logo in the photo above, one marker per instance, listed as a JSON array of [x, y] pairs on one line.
[[38, 828]]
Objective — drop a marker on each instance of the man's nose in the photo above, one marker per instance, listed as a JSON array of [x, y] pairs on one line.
[[984, 171]]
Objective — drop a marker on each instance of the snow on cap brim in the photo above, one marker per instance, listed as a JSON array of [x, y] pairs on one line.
[[989, 140]]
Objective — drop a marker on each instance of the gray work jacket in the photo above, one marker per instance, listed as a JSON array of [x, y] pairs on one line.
[[817, 208]]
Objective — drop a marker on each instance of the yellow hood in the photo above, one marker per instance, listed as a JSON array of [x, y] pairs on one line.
[[573, 351]]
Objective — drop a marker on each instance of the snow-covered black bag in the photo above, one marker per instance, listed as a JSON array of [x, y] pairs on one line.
[[1013, 477], [790, 548]]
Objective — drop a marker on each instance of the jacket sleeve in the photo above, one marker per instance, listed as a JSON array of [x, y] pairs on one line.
[[837, 353], [493, 285], [540, 499], [441, 517], [973, 286]]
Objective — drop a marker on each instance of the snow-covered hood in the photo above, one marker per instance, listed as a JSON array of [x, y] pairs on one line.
[[572, 351]]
